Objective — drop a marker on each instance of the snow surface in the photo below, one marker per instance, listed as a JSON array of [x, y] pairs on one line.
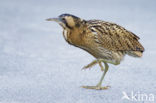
[[38, 66]]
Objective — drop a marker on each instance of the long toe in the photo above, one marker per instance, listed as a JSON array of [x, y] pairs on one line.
[[84, 68], [89, 87], [104, 88], [96, 87]]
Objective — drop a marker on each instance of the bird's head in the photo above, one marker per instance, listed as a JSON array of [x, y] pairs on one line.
[[67, 21]]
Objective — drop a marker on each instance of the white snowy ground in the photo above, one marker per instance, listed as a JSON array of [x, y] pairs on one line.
[[38, 66]]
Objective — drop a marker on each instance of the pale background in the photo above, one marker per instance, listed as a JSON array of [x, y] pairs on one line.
[[38, 66]]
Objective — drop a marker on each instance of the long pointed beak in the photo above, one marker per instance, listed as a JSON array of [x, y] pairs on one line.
[[58, 20], [53, 19]]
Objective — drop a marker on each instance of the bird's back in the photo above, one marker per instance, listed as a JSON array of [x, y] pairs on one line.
[[115, 38]]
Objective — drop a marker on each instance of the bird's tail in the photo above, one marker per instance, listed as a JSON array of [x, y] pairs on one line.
[[135, 53]]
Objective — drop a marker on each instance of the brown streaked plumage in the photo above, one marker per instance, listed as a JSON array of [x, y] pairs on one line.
[[107, 42]]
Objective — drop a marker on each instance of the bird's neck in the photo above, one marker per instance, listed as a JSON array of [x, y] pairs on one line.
[[74, 36]]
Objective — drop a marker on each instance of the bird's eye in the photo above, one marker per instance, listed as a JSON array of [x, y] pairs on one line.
[[63, 19]]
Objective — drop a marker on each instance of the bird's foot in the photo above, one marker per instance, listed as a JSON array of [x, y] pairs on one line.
[[96, 87], [86, 67], [90, 65]]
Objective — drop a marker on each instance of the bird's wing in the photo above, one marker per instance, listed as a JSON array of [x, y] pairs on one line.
[[114, 37]]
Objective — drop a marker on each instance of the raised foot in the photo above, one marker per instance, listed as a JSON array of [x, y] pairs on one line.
[[96, 87], [86, 67], [90, 65]]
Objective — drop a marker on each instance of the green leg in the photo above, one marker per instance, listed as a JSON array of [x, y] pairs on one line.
[[103, 75], [98, 86], [100, 64]]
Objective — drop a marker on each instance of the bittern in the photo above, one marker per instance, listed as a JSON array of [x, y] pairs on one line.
[[107, 42]]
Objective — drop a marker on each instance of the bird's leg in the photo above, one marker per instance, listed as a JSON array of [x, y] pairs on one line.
[[104, 73], [98, 86], [100, 64], [105, 61], [90, 65]]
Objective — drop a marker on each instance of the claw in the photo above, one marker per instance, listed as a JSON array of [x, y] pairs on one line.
[[85, 67]]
